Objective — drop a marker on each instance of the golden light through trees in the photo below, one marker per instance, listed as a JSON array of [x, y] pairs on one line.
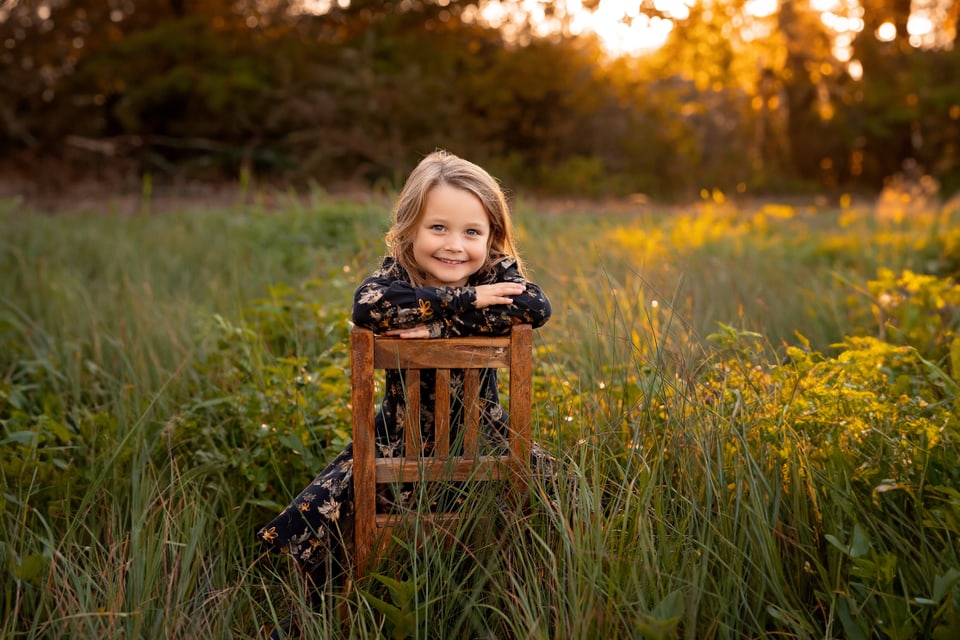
[[632, 27], [653, 96], [639, 27], [623, 28]]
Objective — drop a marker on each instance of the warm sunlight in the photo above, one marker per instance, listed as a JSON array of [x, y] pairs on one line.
[[621, 27], [887, 32], [625, 30], [761, 8]]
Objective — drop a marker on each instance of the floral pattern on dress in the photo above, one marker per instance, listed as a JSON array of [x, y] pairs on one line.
[[318, 524]]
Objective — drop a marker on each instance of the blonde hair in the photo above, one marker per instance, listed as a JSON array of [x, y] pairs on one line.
[[443, 168]]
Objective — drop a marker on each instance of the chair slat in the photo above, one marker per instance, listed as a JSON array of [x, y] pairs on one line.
[[471, 411], [364, 445], [450, 353], [388, 520], [393, 470], [413, 439], [441, 414], [521, 401]]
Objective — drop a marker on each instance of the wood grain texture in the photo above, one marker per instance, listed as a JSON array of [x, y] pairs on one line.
[[364, 445], [447, 353], [370, 352]]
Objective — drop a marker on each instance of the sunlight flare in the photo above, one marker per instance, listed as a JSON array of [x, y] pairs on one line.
[[761, 8], [623, 29]]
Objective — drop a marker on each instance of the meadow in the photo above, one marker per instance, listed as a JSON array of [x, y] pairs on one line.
[[754, 406]]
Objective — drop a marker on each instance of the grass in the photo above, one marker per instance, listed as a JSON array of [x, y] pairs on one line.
[[746, 450]]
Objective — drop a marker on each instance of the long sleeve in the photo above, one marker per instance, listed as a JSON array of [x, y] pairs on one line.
[[387, 300], [530, 307]]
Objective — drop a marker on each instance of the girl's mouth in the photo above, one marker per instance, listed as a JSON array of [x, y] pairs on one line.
[[448, 261]]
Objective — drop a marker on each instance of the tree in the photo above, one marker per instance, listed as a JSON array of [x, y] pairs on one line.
[[159, 75], [812, 84], [907, 101]]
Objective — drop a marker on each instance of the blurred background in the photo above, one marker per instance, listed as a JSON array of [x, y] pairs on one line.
[[589, 98]]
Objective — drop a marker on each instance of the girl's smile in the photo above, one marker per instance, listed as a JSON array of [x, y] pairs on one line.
[[453, 237]]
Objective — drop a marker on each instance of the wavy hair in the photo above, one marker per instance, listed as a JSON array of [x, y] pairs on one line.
[[443, 168]]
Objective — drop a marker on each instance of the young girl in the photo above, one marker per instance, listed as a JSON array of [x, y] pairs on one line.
[[452, 270]]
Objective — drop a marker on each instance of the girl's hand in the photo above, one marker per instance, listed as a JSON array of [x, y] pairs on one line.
[[491, 294], [421, 331]]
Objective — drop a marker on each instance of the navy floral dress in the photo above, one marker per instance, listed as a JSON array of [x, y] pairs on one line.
[[317, 525]]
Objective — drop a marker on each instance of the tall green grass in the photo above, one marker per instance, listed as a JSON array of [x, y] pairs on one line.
[[169, 380]]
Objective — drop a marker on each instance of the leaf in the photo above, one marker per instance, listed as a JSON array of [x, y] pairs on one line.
[[402, 620], [392, 584], [859, 546], [30, 567], [955, 359], [60, 430], [852, 629], [832, 539], [20, 437], [938, 375], [672, 606], [268, 504], [942, 585], [861, 543], [402, 592], [291, 442], [887, 485], [785, 617], [388, 610]]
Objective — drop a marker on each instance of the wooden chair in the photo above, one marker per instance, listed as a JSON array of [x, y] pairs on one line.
[[370, 352]]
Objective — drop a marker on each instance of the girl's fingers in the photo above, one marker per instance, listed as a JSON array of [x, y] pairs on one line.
[[415, 332], [513, 288], [500, 290]]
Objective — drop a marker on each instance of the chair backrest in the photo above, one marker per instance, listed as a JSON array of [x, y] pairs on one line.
[[370, 352]]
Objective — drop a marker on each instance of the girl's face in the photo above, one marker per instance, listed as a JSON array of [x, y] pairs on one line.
[[453, 237]]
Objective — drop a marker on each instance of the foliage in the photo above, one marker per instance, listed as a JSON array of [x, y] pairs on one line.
[[357, 93], [753, 410], [868, 438], [922, 311], [401, 621], [275, 395]]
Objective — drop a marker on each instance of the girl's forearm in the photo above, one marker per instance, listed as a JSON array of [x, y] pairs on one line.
[[383, 306]]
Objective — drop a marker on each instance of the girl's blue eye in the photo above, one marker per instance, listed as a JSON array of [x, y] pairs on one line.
[[473, 232], [437, 227]]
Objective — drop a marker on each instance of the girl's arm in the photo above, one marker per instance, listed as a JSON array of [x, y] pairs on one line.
[[386, 301], [530, 307]]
